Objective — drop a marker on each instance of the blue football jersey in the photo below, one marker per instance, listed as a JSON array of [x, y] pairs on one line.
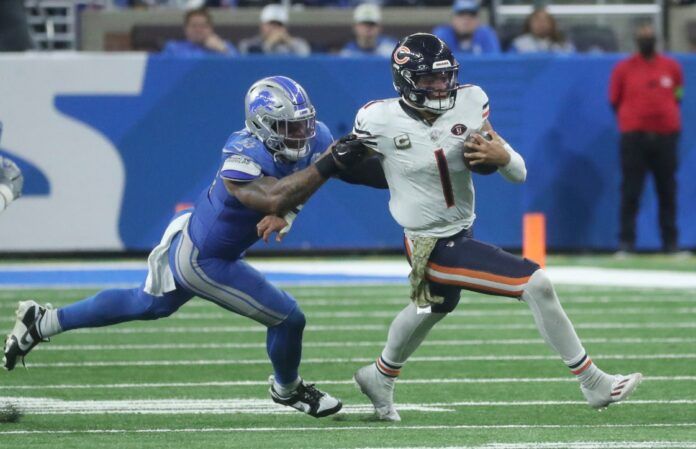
[[220, 225]]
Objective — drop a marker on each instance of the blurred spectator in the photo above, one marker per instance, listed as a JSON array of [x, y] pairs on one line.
[[465, 33], [541, 35], [368, 37], [14, 31], [200, 38], [274, 37], [645, 91]]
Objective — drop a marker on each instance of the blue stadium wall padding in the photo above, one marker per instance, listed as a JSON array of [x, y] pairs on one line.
[[554, 111]]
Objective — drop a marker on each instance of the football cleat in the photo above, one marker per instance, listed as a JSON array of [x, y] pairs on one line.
[[620, 388], [379, 389], [308, 399], [24, 335]]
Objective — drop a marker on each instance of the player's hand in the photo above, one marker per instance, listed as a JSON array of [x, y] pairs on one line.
[[270, 224], [349, 150], [11, 176], [484, 149]]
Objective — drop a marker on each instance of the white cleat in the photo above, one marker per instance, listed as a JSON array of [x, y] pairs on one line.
[[24, 335], [308, 399], [380, 390], [620, 388]]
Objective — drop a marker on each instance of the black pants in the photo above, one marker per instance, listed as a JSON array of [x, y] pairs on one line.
[[642, 153]]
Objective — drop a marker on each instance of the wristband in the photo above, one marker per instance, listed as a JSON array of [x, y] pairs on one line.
[[290, 218], [326, 166]]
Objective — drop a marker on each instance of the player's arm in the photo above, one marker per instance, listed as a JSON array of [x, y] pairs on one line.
[[368, 172], [498, 152], [11, 182], [277, 196], [274, 196]]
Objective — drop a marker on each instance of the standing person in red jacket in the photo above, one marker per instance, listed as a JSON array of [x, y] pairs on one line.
[[645, 92]]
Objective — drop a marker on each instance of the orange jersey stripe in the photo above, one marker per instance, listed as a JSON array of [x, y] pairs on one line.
[[483, 288], [480, 275], [472, 273]]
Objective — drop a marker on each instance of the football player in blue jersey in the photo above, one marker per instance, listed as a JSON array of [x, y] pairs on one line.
[[268, 169], [11, 180]]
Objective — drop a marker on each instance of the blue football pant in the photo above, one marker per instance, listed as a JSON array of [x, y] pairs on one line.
[[232, 284]]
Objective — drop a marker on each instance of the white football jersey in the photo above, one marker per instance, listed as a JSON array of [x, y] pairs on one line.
[[431, 190]]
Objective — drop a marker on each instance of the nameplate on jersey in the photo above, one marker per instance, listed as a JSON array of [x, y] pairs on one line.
[[240, 169], [402, 142]]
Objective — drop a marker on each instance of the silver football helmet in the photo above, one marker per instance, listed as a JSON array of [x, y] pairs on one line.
[[280, 114]]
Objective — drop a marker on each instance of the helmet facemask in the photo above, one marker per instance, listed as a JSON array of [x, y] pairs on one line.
[[422, 96], [289, 139]]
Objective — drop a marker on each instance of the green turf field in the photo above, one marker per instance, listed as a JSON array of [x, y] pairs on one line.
[[197, 379]]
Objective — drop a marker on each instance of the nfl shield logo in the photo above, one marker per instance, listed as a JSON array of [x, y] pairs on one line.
[[458, 129]]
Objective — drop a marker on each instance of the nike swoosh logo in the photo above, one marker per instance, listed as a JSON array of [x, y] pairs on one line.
[[23, 341]]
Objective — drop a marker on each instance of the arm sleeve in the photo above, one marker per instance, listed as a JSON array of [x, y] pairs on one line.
[[367, 173], [515, 170], [240, 168]]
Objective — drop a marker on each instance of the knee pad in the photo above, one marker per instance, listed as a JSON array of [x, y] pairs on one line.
[[539, 286]]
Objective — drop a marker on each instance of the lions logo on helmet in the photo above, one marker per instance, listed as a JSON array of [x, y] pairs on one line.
[[424, 54]]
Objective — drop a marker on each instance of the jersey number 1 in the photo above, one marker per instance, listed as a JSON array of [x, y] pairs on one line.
[[444, 177]]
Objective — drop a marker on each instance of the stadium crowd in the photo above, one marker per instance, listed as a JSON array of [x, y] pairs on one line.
[[465, 34]]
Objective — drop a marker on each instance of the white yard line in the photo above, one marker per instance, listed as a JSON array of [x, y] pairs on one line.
[[254, 406], [462, 313], [350, 344], [379, 428], [256, 383], [439, 359], [375, 327]]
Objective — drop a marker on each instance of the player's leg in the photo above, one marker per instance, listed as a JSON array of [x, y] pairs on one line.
[[36, 323], [406, 333], [477, 266], [633, 171], [238, 287], [664, 167], [600, 389]]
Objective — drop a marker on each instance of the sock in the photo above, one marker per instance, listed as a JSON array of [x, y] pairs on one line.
[[406, 333], [557, 330], [49, 325], [587, 372], [286, 389], [284, 348], [551, 320], [388, 369]]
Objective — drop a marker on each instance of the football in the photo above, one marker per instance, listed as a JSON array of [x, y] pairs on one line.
[[481, 169]]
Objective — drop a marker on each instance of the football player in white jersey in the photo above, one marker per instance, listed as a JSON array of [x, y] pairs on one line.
[[420, 138]]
